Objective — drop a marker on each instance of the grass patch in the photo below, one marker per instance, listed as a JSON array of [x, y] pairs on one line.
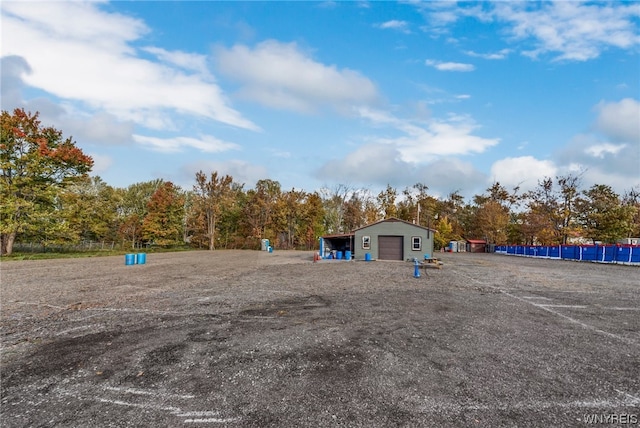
[[85, 254]]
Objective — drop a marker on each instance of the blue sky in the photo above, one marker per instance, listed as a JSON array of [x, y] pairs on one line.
[[320, 94]]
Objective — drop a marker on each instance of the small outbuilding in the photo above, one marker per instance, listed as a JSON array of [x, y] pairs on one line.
[[392, 239], [476, 246], [336, 246]]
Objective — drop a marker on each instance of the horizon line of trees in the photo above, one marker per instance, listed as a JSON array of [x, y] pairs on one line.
[[49, 197]]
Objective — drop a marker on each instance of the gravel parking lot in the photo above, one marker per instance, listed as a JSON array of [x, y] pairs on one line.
[[257, 339]]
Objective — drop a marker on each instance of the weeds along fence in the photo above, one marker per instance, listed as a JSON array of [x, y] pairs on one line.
[[38, 247], [620, 254]]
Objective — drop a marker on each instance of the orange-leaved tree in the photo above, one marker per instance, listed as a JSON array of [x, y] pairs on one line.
[[36, 163], [163, 223]]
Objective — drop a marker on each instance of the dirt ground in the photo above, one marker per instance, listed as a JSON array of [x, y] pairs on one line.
[[257, 339]]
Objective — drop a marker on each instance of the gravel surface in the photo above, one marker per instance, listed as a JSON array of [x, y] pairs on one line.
[[257, 339]]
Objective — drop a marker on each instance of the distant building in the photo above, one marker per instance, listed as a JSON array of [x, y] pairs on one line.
[[457, 247], [629, 241], [389, 239], [476, 246]]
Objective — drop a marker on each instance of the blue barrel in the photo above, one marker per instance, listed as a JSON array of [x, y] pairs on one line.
[[367, 257], [141, 258], [347, 255], [270, 249], [129, 259], [339, 255]]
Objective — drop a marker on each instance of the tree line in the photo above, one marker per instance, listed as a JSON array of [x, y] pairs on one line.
[[48, 196]]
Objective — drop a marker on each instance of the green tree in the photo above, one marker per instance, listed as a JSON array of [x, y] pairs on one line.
[[387, 202], [230, 225], [452, 207], [569, 190], [90, 208], [312, 220], [287, 217], [602, 215], [334, 201], [36, 163], [444, 233], [631, 199], [163, 222]]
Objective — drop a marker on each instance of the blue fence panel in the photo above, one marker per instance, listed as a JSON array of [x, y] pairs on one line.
[[588, 253], [568, 252], [593, 253], [623, 254], [628, 254], [554, 251], [608, 253]]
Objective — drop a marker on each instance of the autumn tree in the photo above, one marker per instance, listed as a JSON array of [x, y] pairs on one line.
[[542, 223], [258, 210], [163, 223], [212, 195], [36, 163], [492, 213], [353, 213], [132, 208]]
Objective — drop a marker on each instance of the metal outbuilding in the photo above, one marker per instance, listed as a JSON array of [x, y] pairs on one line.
[[392, 239]]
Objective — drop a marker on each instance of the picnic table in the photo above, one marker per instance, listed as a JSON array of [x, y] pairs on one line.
[[431, 262]]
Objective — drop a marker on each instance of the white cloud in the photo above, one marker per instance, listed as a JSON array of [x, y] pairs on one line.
[[12, 70], [205, 143], [101, 163], [100, 128], [620, 121], [577, 31], [501, 54], [570, 30], [404, 152], [80, 53], [523, 171], [395, 25], [600, 150], [450, 66], [185, 60], [441, 14], [379, 164], [368, 163], [425, 141], [611, 153], [280, 75]]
